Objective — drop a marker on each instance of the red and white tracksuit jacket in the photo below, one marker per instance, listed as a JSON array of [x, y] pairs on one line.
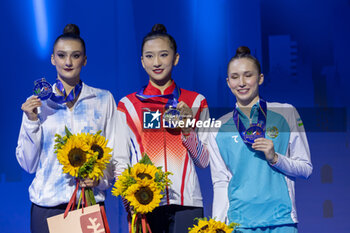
[[167, 148]]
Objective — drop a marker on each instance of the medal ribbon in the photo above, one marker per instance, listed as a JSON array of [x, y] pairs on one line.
[[172, 98], [261, 118], [66, 98]]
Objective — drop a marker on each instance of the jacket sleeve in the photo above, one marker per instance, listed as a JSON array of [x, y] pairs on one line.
[[128, 149], [111, 131], [221, 177], [123, 154], [29, 144], [297, 161], [196, 142]]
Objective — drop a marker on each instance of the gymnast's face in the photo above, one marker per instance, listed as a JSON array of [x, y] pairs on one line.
[[243, 79], [68, 57], [158, 59]]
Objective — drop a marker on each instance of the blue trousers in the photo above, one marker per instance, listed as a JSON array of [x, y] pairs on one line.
[[173, 218], [290, 228], [39, 214]]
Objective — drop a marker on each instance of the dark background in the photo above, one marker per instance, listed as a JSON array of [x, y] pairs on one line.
[[303, 47]]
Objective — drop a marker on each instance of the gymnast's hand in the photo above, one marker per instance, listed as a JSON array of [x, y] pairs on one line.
[[30, 107], [266, 146], [187, 114], [88, 183]]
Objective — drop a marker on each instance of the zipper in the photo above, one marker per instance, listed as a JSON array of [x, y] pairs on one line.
[[165, 164], [71, 112]]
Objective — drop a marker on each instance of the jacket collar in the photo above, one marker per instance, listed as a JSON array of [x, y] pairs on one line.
[[86, 92], [152, 90]]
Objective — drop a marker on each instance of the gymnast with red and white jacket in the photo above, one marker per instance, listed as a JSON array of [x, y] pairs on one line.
[[176, 150], [168, 147]]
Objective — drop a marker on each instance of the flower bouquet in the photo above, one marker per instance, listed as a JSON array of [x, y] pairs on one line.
[[143, 186], [83, 156], [211, 226]]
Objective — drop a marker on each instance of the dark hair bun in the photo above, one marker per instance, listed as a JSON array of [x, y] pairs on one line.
[[242, 50], [71, 29], [160, 28]]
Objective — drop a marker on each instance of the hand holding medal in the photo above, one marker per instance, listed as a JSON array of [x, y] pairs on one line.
[[187, 115], [30, 107], [42, 91], [266, 146]]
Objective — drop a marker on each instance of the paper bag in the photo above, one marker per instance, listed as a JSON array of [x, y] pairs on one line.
[[88, 221]]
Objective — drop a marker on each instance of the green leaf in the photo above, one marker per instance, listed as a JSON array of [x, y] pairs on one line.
[[59, 142], [87, 197], [233, 225], [68, 133], [146, 160], [202, 219], [87, 167], [91, 196], [157, 177]]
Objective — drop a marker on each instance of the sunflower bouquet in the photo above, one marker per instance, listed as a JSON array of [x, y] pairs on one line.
[[211, 226], [83, 156], [142, 185]]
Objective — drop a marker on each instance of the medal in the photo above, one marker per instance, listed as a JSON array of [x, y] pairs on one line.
[[171, 118], [42, 89], [254, 131]]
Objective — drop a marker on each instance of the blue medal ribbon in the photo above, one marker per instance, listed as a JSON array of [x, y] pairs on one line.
[[172, 98], [255, 130], [66, 98]]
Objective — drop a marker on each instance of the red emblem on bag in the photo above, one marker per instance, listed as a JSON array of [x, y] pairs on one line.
[[92, 223]]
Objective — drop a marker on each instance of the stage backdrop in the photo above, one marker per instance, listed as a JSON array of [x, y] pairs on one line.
[[303, 47]]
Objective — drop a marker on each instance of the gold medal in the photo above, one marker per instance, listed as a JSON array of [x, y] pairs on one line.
[[171, 118]]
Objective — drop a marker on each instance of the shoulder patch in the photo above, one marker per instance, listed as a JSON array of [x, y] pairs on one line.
[[299, 122]]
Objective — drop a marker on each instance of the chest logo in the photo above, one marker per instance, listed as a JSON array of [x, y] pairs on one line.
[[272, 132], [235, 138]]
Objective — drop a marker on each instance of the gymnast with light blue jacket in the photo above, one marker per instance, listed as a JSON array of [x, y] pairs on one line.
[[256, 155]]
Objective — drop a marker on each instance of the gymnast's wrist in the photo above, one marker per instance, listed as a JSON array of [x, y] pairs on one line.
[[274, 160]]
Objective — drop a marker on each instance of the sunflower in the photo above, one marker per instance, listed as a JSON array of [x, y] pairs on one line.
[[141, 171], [202, 226], [144, 196], [73, 154], [219, 227], [90, 168], [122, 183], [211, 226], [98, 144]]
